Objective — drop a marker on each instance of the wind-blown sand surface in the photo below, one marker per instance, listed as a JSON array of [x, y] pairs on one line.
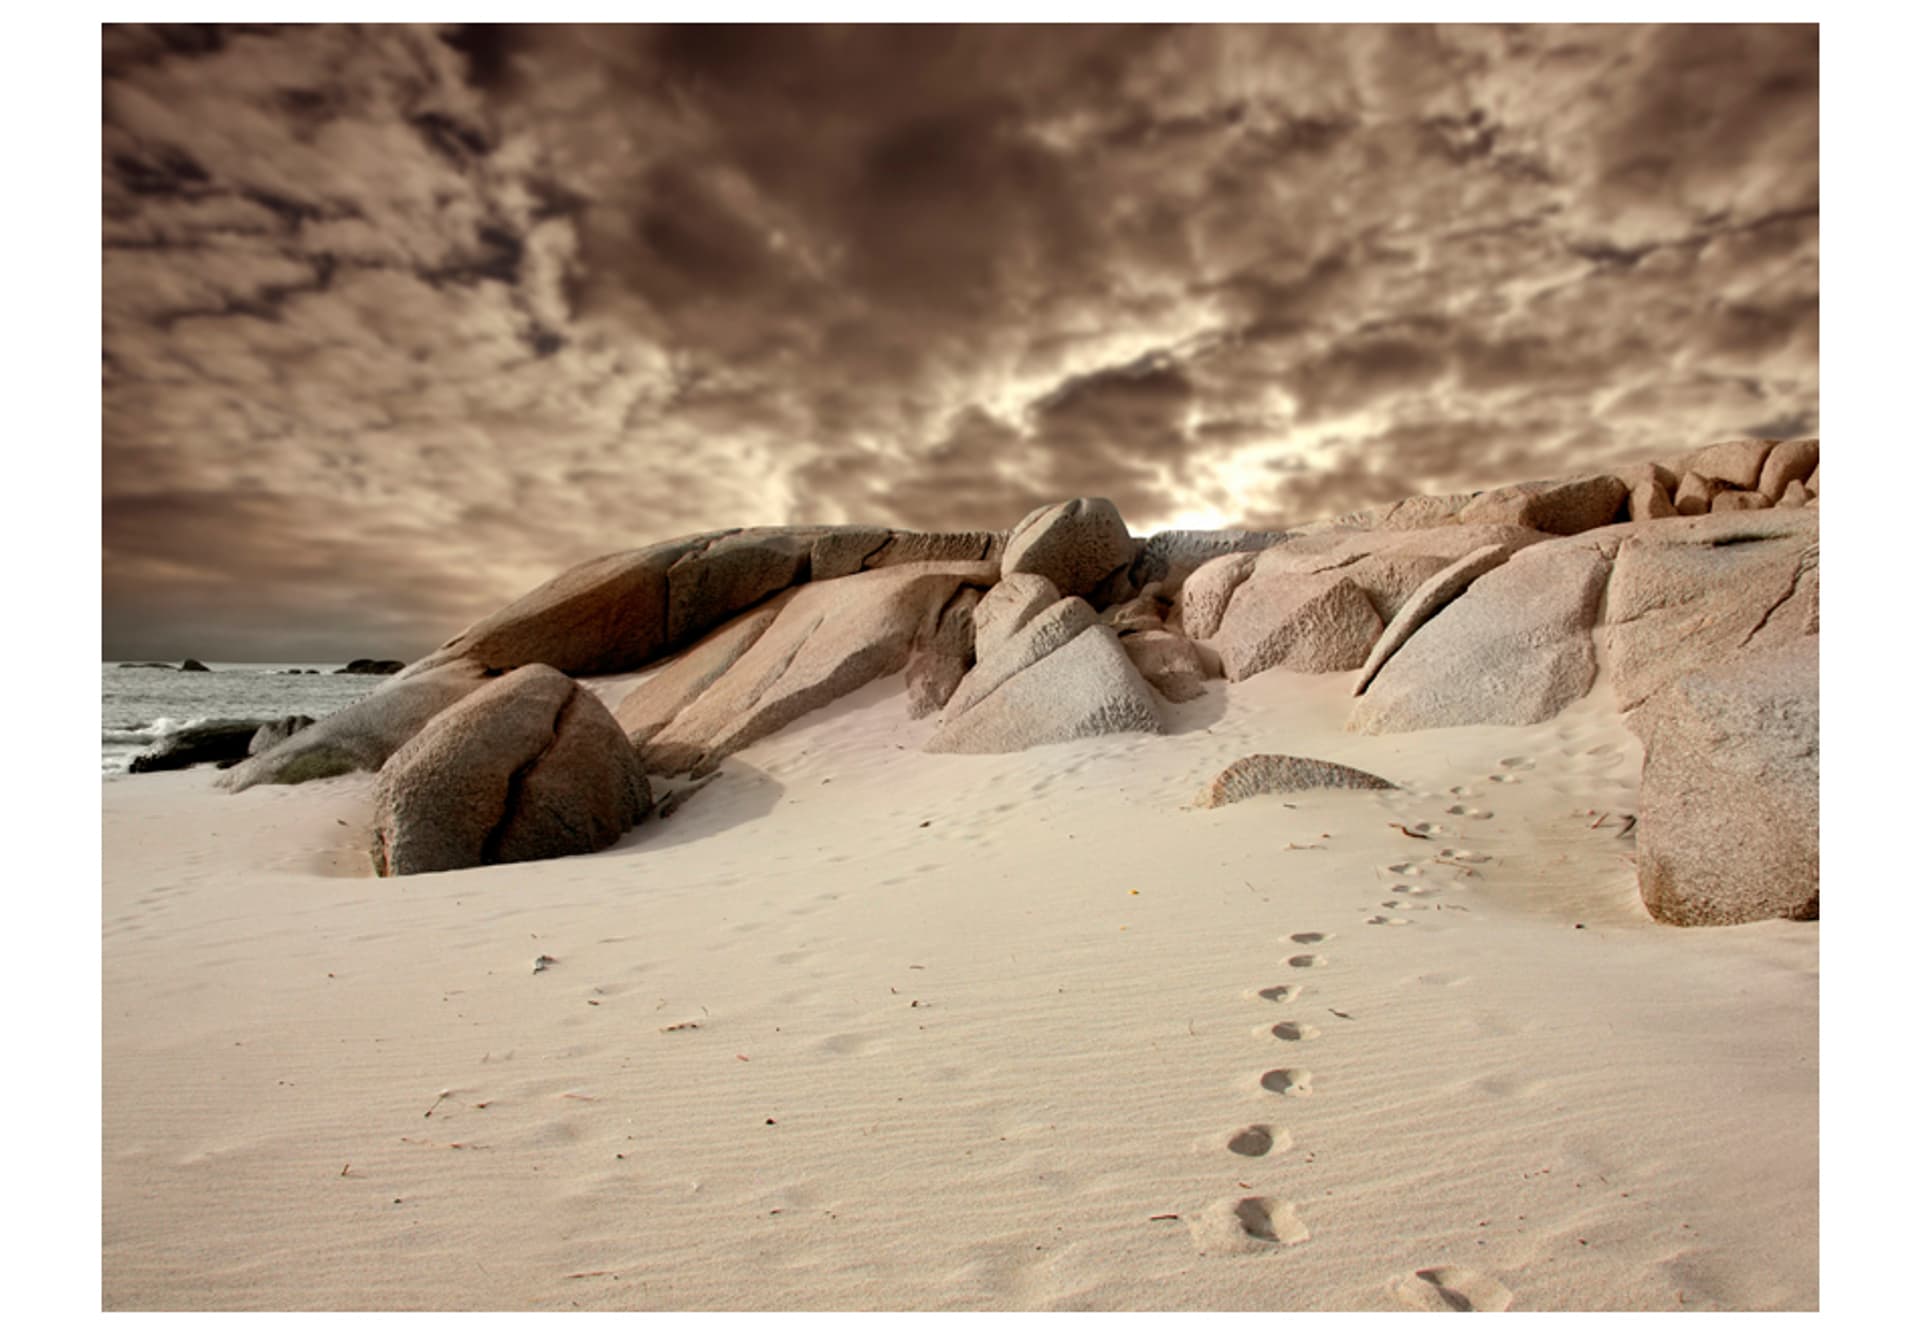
[[863, 1027]]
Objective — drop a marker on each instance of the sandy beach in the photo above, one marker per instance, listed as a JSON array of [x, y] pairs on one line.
[[861, 1027]]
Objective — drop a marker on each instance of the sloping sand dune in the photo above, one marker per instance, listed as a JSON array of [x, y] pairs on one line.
[[863, 1027]]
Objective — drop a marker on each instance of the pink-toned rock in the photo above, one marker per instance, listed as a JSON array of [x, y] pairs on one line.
[[1172, 664], [1695, 494], [1736, 501], [1737, 463], [1259, 775], [529, 766], [1203, 598], [1304, 623], [1813, 481], [654, 703], [1794, 496], [1789, 461], [1633, 474], [1425, 602], [1562, 507], [1008, 606], [1729, 825], [1648, 500], [938, 662], [1077, 544]]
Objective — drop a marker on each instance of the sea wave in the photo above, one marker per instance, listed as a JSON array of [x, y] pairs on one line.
[[148, 733]]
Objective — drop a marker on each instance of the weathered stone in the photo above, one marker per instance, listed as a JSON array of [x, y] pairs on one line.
[[1794, 496], [216, 741], [655, 702], [1737, 463], [529, 766], [1168, 558], [1695, 494], [1813, 481], [1561, 507], [1426, 601], [272, 734], [361, 736], [828, 640], [1691, 592], [194, 665], [706, 586], [1649, 500], [1304, 623], [1084, 687], [1077, 544], [939, 662], [905, 548], [1147, 611], [1007, 606], [1423, 512], [1515, 648], [1258, 775], [841, 551], [370, 667], [1788, 461], [1004, 654], [1729, 825], [1735, 501], [1204, 596], [1172, 664], [1633, 474]]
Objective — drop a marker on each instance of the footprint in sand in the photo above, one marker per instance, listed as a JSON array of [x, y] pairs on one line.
[[1378, 920], [1288, 1083], [1308, 937], [1270, 1220], [1465, 855], [1471, 812], [1417, 891], [1284, 994], [1307, 961], [1516, 762], [1258, 1141], [1404, 868], [1502, 778], [1291, 1032], [1451, 1288]]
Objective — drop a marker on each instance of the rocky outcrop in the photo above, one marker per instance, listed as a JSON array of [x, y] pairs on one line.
[[1203, 598], [361, 736], [1735, 501], [940, 660], [272, 734], [529, 766], [1648, 501], [1695, 494], [1168, 558], [1788, 462], [671, 690], [1304, 623], [370, 667], [1562, 507], [194, 665], [1688, 593], [1061, 675], [1008, 606], [220, 741], [1439, 589], [826, 640], [1515, 648], [1172, 664], [1258, 775], [1733, 463], [1730, 793], [153, 666], [1078, 545]]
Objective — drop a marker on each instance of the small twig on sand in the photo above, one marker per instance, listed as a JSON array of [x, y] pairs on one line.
[[1162, 1218], [444, 1095], [1304, 847], [1391, 824]]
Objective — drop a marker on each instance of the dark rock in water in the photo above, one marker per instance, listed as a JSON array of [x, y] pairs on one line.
[[203, 743], [369, 667], [275, 732], [156, 666], [194, 665]]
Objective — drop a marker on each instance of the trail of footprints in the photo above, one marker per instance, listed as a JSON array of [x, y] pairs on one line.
[[1263, 1222]]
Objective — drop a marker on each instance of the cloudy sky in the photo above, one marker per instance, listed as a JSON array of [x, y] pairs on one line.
[[400, 321]]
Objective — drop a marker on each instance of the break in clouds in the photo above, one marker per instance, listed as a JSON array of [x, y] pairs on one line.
[[399, 321]]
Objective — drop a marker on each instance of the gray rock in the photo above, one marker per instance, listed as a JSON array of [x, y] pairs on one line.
[[1439, 589], [655, 702], [843, 551], [1084, 687], [370, 667], [828, 640], [1689, 593], [1147, 611], [1258, 775], [272, 734], [220, 741], [1007, 606], [1168, 558], [194, 665], [1304, 623], [361, 736], [939, 661], [1002, 656], [1730, 794], [1172, 664], [1789, 461], [1561, 507], [1077, 544], [1204, 596], [1515, 648], [527, 767], [1423, 512], [906, 548]]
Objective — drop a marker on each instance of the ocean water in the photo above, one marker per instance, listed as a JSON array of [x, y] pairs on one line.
[[139, 706]]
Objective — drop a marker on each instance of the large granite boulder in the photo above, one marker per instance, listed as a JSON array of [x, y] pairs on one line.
[[1735, 463], [272, 734], [1648, 501], [654, 703], [940, 659], [1440, 588], [827, 640], [1257, 775], [1203, 597], [221, 741], [1688, 593], [1304, 623], [1008, 606], [1062, 675], [1169, 557], [1563, 507], [1695, 494], [1729, 825], [1077, 544], [1172, 664], [1515, 648], [361, 736], [529, 766], [1788, 462]]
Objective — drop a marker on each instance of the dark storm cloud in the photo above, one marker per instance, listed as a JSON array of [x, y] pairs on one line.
[[431, 313]]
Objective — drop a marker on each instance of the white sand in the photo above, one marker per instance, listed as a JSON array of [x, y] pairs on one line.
[[861, 1027]]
